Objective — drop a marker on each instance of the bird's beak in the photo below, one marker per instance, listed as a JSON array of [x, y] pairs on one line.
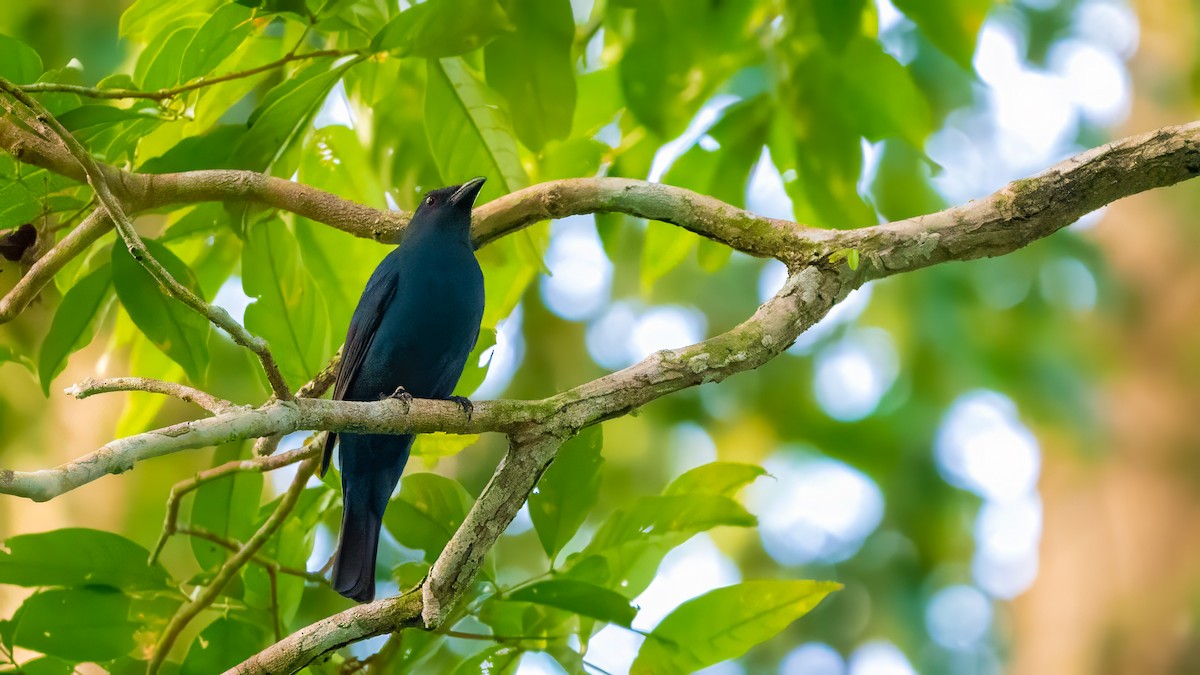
[[467, 192]]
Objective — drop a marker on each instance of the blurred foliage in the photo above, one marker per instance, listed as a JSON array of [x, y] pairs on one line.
[[518, 91]]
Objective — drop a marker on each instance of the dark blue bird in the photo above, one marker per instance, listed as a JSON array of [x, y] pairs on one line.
[[415, 325]]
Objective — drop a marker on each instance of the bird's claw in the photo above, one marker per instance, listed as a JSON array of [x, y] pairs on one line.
[[401, 394], [466, 405]]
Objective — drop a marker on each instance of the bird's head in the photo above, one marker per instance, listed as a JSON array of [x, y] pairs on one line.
[[452, 199], [446, 210]]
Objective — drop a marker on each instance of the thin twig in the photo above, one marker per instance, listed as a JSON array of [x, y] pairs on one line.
[[235, 546], [90, 387], [231, 567], [314, 388], [172, 92], [49, 126], [253, 465]]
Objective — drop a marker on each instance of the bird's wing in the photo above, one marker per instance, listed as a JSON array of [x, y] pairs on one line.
[[363, 327]]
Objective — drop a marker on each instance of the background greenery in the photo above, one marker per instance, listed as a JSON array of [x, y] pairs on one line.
[[994, 458]]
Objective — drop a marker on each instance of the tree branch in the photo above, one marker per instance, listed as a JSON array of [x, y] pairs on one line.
[[231, 567], [257, 465], [49, 125], [198, 83], [182, 392]]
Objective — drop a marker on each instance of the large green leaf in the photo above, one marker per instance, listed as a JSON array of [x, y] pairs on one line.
[[715, 478], [626, 551], [668, 71], [336, 161], [77, 624], [284, 115], [74, 323], [440, 28], [532, 68], [289, 310], [76, 557], [567, 490], [145, 19], [495, 660], [952, 25], [468, 132], [19, 63], [223, 644], [163, 61], [725, 623], [226, 507], [580, 598], [180, 332], [216, 40], [427, 512]]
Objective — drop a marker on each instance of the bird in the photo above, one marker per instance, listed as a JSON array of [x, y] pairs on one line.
[[410, 335]]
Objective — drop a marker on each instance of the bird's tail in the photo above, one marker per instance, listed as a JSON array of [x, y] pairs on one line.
[[354, 564], [371, 468]]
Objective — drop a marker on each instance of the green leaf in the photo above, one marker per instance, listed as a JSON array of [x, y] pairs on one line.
[[145, 19], [18, 205], [284, 115], [163, 68], [866, 79], [225, 507], [532, 68], [474, 373], [216, 40], [8, 355], [837, 21], [427, 512], [715, 478], [433, 446], [667, 72], [495, 660], [580, 598], [289, 310], [335, 160], [77, 624], [468, 133], [408, 575], [440, 28], [567, 490], [297, 7], [952, 25], [19, 63], [675, 514], [725, 623], [599, 101], [223, 644], [177, 330], [291, 546], [626, 551], [77, 557], [88, 116], [74, 323], [666, 246]]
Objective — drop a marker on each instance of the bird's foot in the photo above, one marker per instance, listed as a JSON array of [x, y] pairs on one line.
[[401, 394], [466, 405]]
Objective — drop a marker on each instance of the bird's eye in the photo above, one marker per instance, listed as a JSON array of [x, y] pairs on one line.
[[429, 201]]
